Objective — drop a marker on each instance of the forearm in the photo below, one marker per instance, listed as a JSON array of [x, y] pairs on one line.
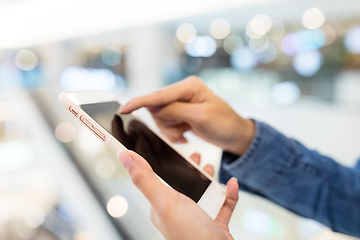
[[298, 179]]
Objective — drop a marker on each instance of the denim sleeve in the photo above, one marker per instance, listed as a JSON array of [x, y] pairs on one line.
[[303, 181]]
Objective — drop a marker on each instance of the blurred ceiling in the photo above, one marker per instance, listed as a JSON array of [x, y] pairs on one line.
[[26, 23]]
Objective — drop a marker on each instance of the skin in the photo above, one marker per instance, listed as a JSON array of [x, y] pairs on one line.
[[175, 215], [188, 106]]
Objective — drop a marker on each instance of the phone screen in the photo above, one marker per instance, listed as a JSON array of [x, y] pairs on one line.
[[135, 136]]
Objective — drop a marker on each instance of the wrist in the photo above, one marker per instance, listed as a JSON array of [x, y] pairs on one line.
[[245, 134]]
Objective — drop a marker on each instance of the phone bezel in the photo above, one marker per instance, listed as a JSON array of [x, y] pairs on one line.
[[213, 197]]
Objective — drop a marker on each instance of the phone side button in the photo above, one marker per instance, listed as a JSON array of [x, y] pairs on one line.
[[73, 111], [93, 128]]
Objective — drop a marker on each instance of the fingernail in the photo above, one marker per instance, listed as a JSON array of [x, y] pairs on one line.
[[126, 160], [122, 108], [234, 179]]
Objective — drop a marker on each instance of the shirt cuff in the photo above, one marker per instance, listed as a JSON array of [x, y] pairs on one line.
[[263, 164]]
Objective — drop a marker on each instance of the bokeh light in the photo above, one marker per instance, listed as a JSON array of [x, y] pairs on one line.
[[245, 59], [352, 40], [220, 29], [313, 18], [185, 32], [285, 93], [24, 231], [233, 44], [79, 78], [114, 39], [277, 30], [258, 26], [307, 40], [329, 34], [95, 44], [259, 45], [105, 168], [87, 143], [257, 221], [268, 55], [308, 64], [202, 46], [26, 60], [117, 206], [34, 217], [111, 55], [85, 236], [65, 132]]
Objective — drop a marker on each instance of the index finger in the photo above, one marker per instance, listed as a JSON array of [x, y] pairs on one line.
[[181, 91]]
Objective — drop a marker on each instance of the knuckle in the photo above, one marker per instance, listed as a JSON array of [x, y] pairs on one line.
[[202, 116]]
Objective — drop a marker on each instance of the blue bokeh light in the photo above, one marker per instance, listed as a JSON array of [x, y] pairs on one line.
[[111, 57], [307, 40], [245, 59]]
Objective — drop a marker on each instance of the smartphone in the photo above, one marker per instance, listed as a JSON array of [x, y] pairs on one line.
[[97, 111]]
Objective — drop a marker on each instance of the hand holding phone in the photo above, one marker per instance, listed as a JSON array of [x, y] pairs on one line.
[[175, 215], [97, 110]]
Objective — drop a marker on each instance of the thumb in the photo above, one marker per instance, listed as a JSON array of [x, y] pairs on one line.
[[143, 176]]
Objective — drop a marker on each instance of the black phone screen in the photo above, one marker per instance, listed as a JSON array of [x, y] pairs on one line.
[[135, 136]]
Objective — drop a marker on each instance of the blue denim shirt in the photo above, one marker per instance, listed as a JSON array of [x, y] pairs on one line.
[[301, 180]]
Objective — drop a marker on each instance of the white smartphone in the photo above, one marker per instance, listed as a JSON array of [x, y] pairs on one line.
[[97, 110]]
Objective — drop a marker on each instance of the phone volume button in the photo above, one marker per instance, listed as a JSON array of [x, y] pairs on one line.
[[93, 128]]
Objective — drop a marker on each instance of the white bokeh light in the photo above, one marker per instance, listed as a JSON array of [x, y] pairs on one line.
[[26, 60], [258, 26], [202, 46], [220, 29], [117, 206], [105, 168], [259, 45], [233, 44], [352, 40], [185, 32], [329, 34], [65, 132], [313, 18], [308, 63], [285, 93], [94, 44], [34, 217], [277, 30], [267, 56], [257, 221]]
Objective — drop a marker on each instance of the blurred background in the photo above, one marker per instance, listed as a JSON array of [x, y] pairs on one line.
[[293, 64]]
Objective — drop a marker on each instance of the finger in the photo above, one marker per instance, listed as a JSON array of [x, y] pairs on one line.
[[181, 91], [173, 133], [196, 157], [209, 169], [232, 196], [144, 178], [179, 111]]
